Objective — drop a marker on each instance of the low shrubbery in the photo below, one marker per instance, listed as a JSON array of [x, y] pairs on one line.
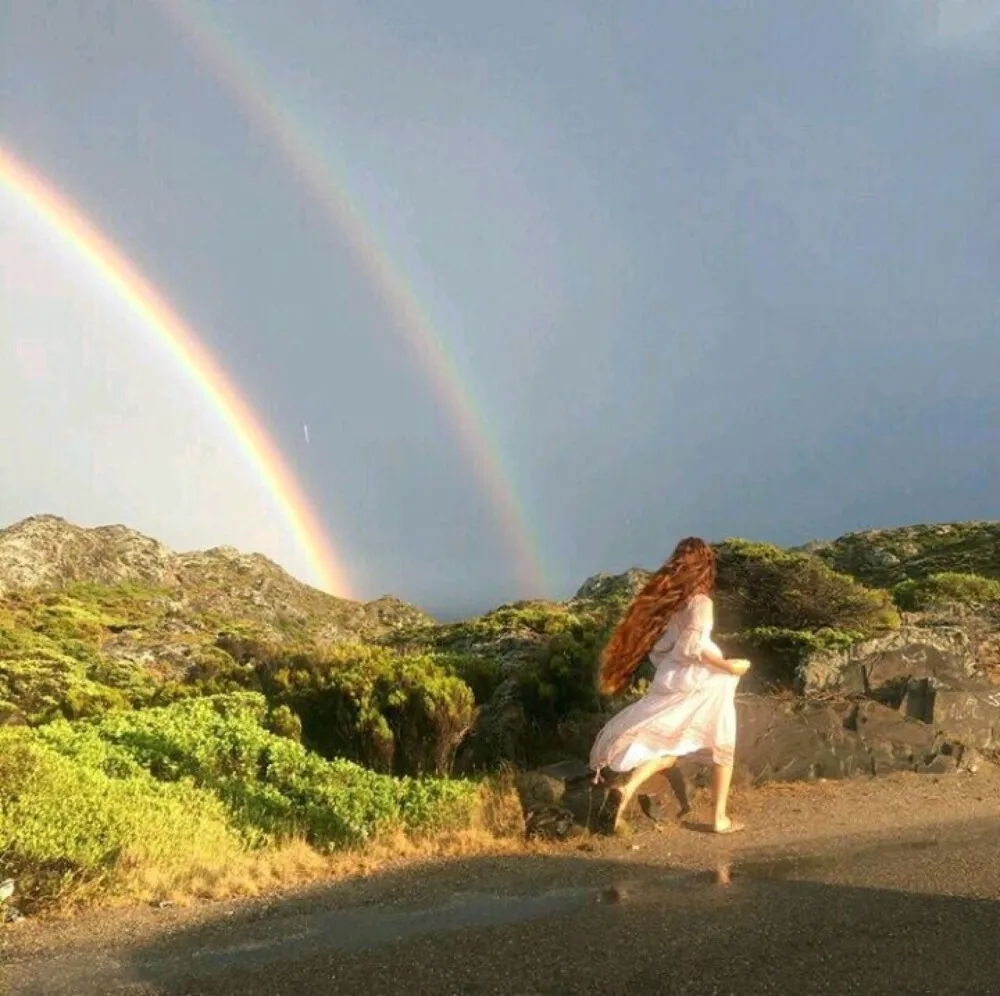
[[923, 594], [82, 803]]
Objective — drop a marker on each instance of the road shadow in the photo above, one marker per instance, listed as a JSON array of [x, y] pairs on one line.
[[551, 924]]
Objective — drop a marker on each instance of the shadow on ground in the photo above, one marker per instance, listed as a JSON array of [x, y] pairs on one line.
[[871, 922]]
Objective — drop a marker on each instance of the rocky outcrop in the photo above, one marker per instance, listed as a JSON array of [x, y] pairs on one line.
[[613, 586], [882, 666], [47, 552], [940, 670], [801, 740], [967, 711], [883, 557]]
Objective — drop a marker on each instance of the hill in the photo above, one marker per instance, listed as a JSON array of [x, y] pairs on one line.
[[46, 553]]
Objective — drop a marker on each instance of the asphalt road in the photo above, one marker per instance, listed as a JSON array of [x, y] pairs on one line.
[[920, 915]]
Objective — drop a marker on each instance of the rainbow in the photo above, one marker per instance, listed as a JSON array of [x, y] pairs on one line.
[[113, 269], [246, 82]]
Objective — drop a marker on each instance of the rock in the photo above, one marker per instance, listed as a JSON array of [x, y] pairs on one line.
[[779, 740], [966, 711], [537, 790], [552, 823], [603, 586], [498, 734], [565, 785], [47, 552], [887, 556], [801, 740], [881, 667]]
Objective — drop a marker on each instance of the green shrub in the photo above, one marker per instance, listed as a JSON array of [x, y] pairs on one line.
[[561, 679], [66, 825], [884, 557], [481, 673], [395, 713], [45, 688], [760, 585], [920, 595], [273, 788], [283, 722]]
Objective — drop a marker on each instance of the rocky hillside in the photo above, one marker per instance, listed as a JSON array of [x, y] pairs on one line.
[[884, 557], [48, 553]]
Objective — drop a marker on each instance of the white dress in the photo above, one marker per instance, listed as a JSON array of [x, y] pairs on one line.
[[690, 706]]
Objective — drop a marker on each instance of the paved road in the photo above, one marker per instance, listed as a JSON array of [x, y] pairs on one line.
[[920, 916]]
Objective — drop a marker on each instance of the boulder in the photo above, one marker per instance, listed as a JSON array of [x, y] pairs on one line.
[[610, 586], [799, 740], [968, 711], [548, 793], [553, 823], [883, 666], [498, 735]]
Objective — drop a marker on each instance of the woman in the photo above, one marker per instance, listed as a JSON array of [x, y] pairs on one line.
[[690, 706]]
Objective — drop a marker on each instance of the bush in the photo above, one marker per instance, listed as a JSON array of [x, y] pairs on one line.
[[48, 687], [395, 713], [760, 585], [921, 595], [198, 784], [482, 674], [272, 787], [66, 826]]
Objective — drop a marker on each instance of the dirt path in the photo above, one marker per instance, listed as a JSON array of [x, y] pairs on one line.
[[795, 828]]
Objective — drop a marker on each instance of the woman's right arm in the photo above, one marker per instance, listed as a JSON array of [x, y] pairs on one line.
[[731, 665], [698, 627]]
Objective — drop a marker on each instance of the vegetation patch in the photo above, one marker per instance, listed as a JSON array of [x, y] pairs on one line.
[[885, 557], [778, 653], [761, 586], [83, 803], [937, 590]]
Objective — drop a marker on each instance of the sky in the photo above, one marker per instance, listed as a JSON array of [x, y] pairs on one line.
[[521, 291]]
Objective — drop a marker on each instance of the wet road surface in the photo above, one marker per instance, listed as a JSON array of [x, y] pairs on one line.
[[920, 915]]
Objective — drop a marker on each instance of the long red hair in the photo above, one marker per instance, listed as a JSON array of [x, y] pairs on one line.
[[690, 570]]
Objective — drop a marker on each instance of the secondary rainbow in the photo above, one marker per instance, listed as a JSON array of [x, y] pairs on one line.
[[114, 270], [246, 82]]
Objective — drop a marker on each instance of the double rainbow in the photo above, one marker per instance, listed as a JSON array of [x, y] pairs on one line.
[[292, 139]]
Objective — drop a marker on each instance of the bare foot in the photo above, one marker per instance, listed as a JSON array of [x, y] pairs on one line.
[[729, 826]]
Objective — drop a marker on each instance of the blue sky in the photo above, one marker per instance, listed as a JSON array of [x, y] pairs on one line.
[[717, 269]]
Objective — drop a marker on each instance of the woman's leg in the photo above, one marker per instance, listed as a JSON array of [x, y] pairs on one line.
[[723, 778], [638, 775]]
